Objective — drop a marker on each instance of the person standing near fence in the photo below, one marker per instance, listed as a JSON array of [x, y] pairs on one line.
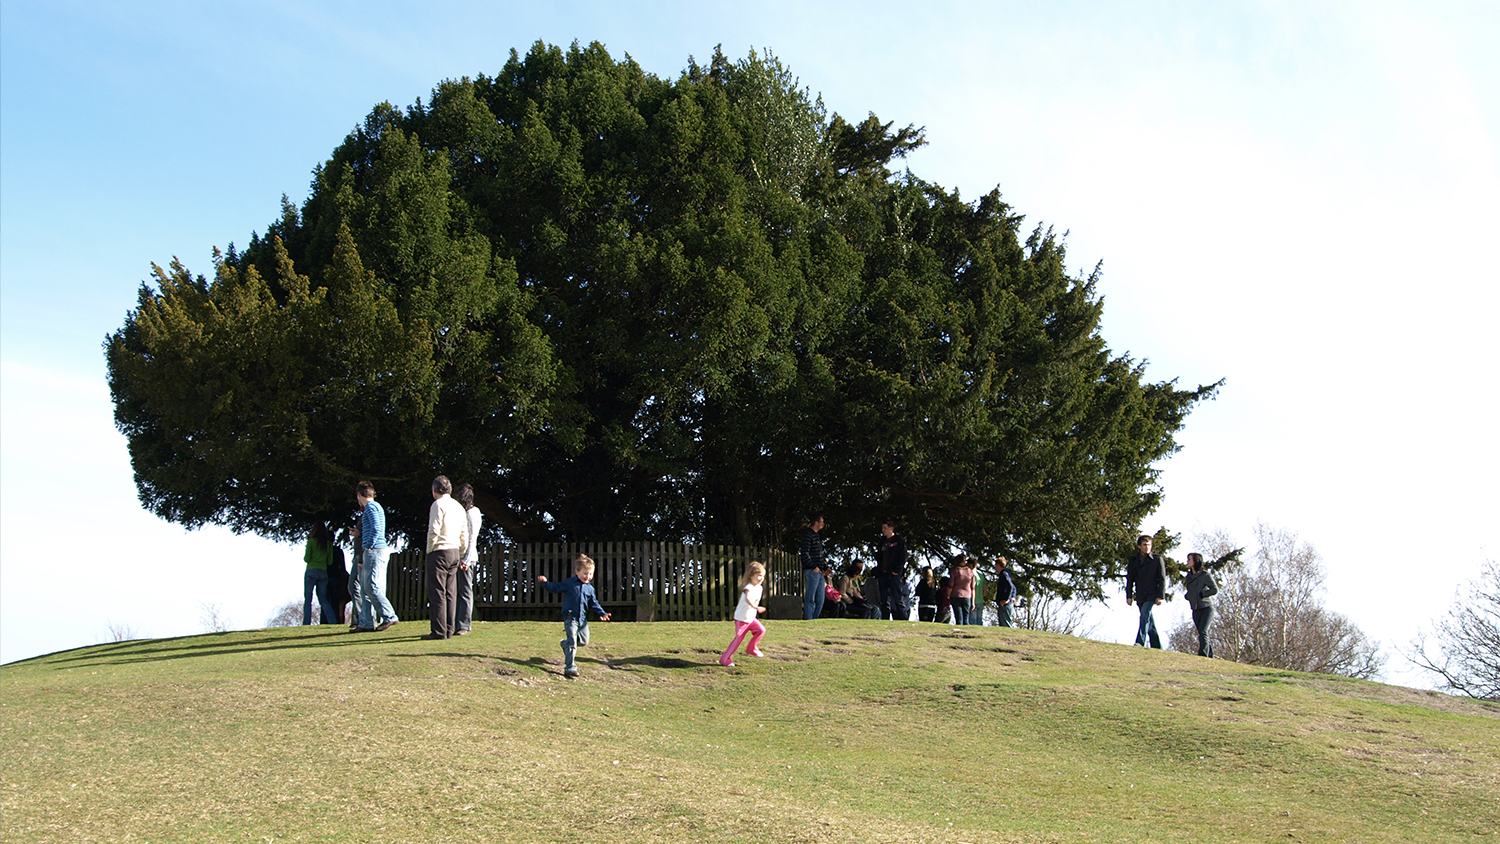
[[375, 610], [890, 561], [813, 562], [746, 615], [465, 619], [447, 541], [1199, 588]]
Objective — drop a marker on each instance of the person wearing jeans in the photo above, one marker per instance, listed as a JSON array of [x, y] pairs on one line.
[[813, 561], [373, 558], [961, 584], [1146, 585], [1199, 588], [318, 555]]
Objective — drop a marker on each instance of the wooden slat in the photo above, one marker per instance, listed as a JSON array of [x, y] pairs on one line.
[[686, 582]]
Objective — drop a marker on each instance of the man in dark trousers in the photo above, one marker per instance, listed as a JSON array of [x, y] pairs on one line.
[[890, 559], [1146, 583]]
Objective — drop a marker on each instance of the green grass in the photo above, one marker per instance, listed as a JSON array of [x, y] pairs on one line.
[[847, 731]]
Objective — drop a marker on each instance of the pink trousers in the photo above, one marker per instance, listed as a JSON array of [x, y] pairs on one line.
[[754, 628]]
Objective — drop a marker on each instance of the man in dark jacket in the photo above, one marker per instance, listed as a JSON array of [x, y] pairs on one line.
[[890, 558], [1146, 583]]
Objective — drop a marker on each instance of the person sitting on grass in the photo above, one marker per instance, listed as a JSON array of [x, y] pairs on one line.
[[578, 598]]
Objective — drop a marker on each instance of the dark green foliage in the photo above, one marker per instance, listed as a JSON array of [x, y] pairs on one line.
[[626, 307]]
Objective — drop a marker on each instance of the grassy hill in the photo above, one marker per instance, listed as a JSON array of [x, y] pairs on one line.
[[847, 731]]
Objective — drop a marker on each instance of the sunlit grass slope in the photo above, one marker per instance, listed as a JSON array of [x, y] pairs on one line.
[[847, 731]]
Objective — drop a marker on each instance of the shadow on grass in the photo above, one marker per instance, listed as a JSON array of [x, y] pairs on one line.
[[151, 650], [658, 662]]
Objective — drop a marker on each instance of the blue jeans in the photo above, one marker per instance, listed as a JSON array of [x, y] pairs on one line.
[[354, 594], [961, 609], [316, 580], [1202, 618], [1005, 615], [813, 593], [1147, 629], [575, 636], [372, 601]]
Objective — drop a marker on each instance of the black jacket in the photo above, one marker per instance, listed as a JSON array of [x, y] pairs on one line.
[[890, 555], [1146, 578]]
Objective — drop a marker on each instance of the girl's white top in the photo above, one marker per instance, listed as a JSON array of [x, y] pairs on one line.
[[475, 518], [749, 600]]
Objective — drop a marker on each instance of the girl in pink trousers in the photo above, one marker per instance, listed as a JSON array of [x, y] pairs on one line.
[[745, 621]]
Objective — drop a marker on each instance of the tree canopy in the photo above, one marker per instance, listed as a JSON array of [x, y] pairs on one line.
[[626, 307]]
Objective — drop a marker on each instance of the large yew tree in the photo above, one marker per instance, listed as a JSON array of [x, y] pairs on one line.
[[626, 307]]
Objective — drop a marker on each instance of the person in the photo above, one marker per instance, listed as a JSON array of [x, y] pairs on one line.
[[1199, 589], [1146, 585], [852, 598], [813, 562], [375, 610], [465, 616], [447, 542], [961, 588], [890, 558], [945, 600], [872, 593], [578, 598], [926, 594], [338, 583], [318, 554], [746, 621], [833, 599], [1005, 592], [355, 594]]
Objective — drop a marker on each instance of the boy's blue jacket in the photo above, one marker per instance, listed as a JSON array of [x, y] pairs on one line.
[[579, 598]]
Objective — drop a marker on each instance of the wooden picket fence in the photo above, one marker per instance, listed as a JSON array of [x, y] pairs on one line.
[[640, 581]]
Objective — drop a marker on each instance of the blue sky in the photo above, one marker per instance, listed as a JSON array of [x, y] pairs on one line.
[[1296, 197]]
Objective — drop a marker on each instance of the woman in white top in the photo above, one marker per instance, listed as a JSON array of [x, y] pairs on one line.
[[465, 613], [745, 620]]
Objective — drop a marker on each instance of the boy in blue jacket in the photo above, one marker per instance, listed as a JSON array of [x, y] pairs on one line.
[[578, 599]]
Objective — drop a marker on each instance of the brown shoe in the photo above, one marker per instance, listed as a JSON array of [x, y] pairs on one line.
[[432, 636], [386, 625]]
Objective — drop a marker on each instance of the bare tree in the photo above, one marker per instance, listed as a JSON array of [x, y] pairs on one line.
[[120, 631], [290, 614], [1050, 613], [1270, 612], [213, 619], [1468, 640]]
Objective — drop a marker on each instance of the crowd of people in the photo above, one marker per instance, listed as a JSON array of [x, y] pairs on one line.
[[951, 596], [453, 524], [881, 591]]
